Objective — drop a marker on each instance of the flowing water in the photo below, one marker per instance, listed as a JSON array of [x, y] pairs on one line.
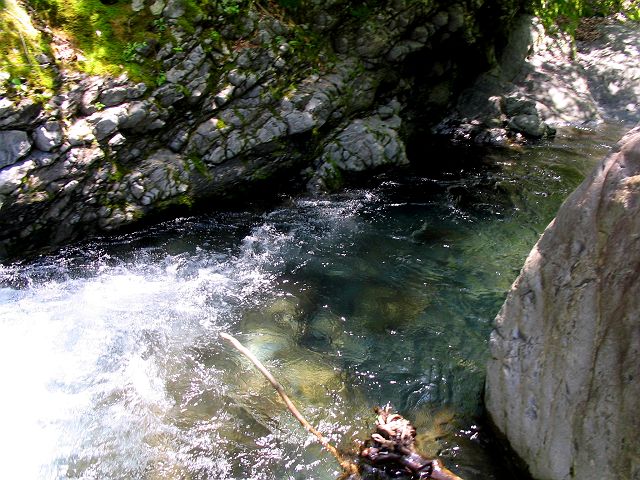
[[112, 367]]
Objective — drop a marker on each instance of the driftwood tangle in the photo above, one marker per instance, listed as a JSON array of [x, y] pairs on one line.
[[389, 452]]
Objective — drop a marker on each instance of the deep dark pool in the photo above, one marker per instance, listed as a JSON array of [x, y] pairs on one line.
[[109, 351]]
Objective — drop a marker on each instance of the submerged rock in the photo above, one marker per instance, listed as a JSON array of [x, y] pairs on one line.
[[563, 381]]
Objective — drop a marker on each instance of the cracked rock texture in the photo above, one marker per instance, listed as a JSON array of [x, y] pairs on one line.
[[563, 382], [254, 107]]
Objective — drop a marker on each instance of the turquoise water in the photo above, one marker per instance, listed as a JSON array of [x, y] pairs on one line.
[[109, 351]]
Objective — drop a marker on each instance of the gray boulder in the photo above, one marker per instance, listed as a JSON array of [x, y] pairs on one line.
[[14, 145], [19, 115], [113, 96], [48, 136], [174, 9], [563, 382], [365, 144]]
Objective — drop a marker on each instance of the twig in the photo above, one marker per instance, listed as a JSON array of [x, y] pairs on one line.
[[348, 466], [26, 50], [441, 473]]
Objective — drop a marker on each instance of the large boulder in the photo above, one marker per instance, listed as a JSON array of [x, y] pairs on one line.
[[563, 382]]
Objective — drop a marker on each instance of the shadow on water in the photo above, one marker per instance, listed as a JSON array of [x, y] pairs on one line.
[[383, 293]]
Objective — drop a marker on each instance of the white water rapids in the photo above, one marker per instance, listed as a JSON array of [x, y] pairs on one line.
[[111, 365]]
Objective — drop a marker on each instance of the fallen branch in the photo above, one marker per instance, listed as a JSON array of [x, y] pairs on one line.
[[349, 467]]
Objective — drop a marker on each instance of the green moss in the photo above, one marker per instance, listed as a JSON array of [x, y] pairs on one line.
[[20, 71], [261, 174], [109, 37], [116, 172], [333, 178], [184, 90], [161, 79], [182, 200], [196, 162]]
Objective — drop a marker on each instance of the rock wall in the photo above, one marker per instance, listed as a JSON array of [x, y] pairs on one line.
[[563, 382], [541, 82], [234, 111]]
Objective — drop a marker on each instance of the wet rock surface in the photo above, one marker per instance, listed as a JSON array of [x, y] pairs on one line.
[[254, 105], [562, 383]]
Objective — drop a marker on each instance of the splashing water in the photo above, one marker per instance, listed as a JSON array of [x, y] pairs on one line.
[[109, 351]]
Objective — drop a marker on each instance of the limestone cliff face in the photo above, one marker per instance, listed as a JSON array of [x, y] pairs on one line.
[[235, 111], [563, 383]]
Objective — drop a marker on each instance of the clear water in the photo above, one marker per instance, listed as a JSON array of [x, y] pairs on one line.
[[112, 367]]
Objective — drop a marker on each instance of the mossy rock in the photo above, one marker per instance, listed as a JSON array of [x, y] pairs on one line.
[[385, 309], [110, 38], [25, 54]]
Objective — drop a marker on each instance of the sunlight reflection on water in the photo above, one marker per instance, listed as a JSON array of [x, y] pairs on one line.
[[112, 367]]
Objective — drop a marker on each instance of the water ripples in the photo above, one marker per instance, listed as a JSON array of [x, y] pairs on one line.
[[112, 367]]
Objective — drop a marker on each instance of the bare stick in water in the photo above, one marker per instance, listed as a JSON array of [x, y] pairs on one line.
[[348, 467]]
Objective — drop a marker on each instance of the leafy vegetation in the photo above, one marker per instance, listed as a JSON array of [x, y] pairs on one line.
[[566, 14]]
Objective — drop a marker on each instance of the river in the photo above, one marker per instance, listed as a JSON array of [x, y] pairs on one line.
[[112, 366]]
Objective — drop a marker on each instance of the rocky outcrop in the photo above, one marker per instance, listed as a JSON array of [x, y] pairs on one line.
[[493, 110], [563, 379], [254, 98], [362, 145], [557, 82]]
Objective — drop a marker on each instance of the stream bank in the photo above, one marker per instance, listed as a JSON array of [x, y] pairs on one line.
[[254, 108], [317, 97], [543, 82]]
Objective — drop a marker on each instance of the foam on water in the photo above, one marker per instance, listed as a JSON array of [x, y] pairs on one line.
[[111, 366]]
